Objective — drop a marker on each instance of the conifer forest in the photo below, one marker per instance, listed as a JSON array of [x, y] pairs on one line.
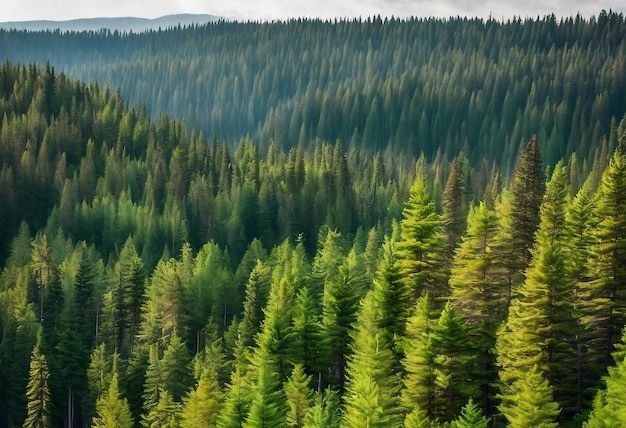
[[355, 223]]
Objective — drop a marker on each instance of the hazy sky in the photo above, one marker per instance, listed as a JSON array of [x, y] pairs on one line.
[[21, 10]]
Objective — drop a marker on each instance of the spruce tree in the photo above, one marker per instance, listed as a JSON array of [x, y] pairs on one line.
[[609, 406], [531, 403], [113, 411], [453, 363], [541, 329], [372, 386], [201, 407], [37, 391], [454, 206], [480, 293], [419, 250], [527, 188], [419, 379], [471, 417], [604, 297], [299, 396]]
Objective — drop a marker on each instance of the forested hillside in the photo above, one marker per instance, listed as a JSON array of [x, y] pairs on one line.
[[152, 276], [420, 85]]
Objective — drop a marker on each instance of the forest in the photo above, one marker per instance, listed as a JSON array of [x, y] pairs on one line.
[[275, 273]]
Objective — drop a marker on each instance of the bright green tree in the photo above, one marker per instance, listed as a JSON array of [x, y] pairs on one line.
[[471, 417], [480, 293], [531, 403], [419, 379], [419, 251], [38, 392], [201, 407], [113, 411], [604, 297], [609, 406], [372, 386], [299, 396], [541, 329], [326, 412]]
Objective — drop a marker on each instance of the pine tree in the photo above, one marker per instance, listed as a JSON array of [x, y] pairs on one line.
[[531, 403], [37, 391], [471, 417], [268, 407], [527, 188], [326, 412], [112, 410], [372, 387], [202, 407], [453, 362], [604, 297], [609, 406], [419, 380], [454, 206], [541, 329], [299, 396], [419, 251], [340, 304], [165, 414], [479, 294], [175, 369]]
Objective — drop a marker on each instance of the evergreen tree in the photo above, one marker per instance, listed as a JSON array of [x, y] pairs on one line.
[[541, 329], [419, 250], [471, 417], [604, 298], [480, 294], [202, 407], [165, 414], [609, 406], [37, 391], [372, 386], [175, 369], [299, 396], [454, 206], [527, 188], [453, 364], [326, 412], [112, 410], [268, 407], [531, 403]]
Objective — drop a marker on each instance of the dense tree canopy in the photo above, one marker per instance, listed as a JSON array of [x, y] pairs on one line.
[[368, 248]]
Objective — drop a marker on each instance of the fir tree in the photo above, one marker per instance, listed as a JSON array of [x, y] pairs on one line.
[[471, 417], [38, 392], [372, 387], [113, 411], [419, 260], [202, 407], [527, 188], [531, 404], [604, 297], [299, 396]]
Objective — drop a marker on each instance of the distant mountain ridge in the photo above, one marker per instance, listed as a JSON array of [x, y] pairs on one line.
[[122, 24]]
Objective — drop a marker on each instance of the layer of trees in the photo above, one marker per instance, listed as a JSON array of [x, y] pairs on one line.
[[152, 278], [407, 86]]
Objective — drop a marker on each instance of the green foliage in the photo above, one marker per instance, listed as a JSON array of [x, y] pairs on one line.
[[531, 403], [299, 396], [112, 410], [471, 417], [38, 392], [202, 407], [372, 386], [419, 259]]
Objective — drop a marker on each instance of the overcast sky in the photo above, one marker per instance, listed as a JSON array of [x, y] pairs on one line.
[[25, 10]]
